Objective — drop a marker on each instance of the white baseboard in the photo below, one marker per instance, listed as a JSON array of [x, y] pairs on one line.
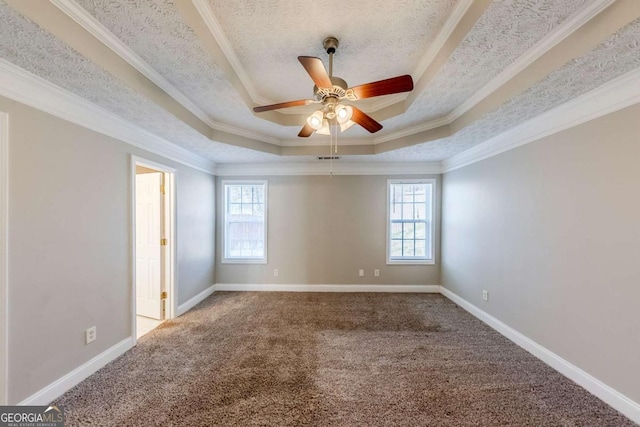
[[596, 387], [186, 306], [61, 385], [326, 288]]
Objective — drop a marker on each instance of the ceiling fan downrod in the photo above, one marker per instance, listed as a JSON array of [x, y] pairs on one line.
[[330, 44]]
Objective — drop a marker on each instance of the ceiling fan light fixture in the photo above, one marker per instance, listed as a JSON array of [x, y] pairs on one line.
[[324, 130], [315, 120], [346, 125], [343, 114]]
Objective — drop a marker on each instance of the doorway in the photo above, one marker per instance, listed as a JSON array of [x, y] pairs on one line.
[[153, 245]]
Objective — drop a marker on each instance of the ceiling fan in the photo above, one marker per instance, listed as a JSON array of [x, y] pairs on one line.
[[330, 91]]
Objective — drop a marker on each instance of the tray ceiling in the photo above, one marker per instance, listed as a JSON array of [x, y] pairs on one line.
[[190, 71]]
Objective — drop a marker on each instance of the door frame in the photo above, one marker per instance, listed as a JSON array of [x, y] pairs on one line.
[[4, 258], [169, 254]]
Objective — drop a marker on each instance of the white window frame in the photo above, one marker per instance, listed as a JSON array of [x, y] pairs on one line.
[[422, 261], [245, 260]]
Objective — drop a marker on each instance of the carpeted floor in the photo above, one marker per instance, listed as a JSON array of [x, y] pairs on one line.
[[349, 359]]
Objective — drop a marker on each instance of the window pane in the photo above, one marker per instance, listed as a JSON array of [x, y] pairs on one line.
[[407, 230], [395, 211], [420, 211], [258, 194], [247, 194], [420, 248], [407, 248], [396, 230], [234, 209], [407, 211], [420, 229], [396, 248], [234, 194], [407, 193], [247, 209]]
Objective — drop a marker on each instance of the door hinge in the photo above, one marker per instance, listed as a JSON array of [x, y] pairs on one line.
[[163, 242], [162, 189], [163, 295]]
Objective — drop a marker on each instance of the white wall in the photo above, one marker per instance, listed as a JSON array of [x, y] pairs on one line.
[[552, 231], [70, 244]]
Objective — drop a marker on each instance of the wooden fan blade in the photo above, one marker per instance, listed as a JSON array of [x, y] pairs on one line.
[[282, 105], [365, 120], [306, 131], [384, 87], [316, 70]]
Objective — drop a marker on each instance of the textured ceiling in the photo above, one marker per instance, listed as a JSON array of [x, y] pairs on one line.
[[226, 57], [502, 34], [378, 39]]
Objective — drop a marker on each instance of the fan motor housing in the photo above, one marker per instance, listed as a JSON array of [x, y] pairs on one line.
[[338, 90]]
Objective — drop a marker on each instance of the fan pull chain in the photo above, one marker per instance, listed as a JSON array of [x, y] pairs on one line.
[[330, 156]]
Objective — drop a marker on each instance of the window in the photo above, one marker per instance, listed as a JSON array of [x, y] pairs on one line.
[[410, 221], [245, 222]]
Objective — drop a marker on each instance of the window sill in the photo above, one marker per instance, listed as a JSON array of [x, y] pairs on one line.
[[411, 262], [243, 261]]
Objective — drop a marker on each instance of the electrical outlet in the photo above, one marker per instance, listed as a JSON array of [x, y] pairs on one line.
[[361, 273], [376, 272], [485, 295], [90, 334], [275, 272]]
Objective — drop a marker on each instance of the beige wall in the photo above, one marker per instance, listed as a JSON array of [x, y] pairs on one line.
[[322, 230], [552, 231], [70, 247]]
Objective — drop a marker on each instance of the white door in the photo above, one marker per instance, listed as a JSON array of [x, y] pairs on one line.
[[148, 245]]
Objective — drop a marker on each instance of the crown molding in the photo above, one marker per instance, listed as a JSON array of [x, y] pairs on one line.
[[432, 51], [83, 18], [326, 168], [95, 28], [29, 89], [246, 133], [387, 101], [209, 18], [423, 127], [615, 95], [322, 140], [525, 60], [434, 48], [530, 56], [447, 29]]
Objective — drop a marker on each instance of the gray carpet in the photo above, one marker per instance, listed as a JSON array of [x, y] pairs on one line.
[[297, 359]]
